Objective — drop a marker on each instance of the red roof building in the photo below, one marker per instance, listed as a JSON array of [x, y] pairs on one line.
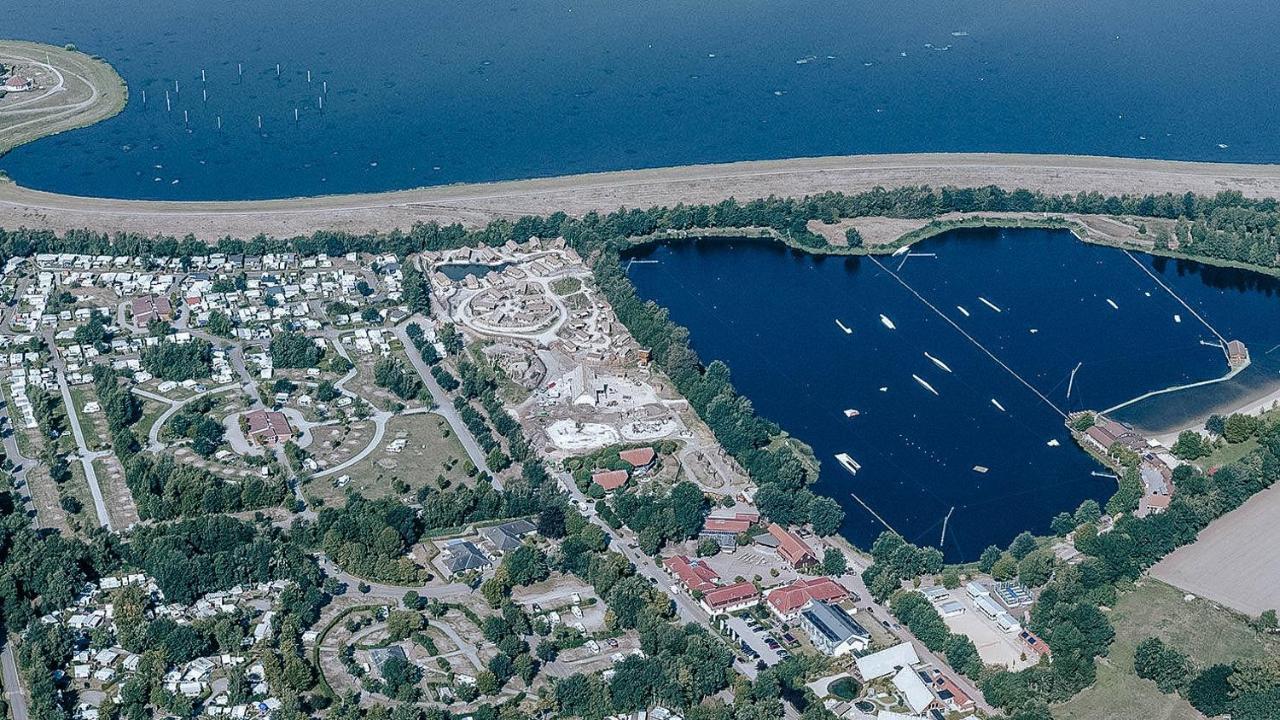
[[610, 480], [151, 307], [787, 601], [693, 574], [726, 525], [792, 549], [639, 458], [950, 694], [268, 427], [731, 598]]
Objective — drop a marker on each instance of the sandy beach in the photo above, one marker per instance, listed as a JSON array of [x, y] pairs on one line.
[[476, 204]]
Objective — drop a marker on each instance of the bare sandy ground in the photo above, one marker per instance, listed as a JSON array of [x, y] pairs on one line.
[[577, 194], [1233, 562]]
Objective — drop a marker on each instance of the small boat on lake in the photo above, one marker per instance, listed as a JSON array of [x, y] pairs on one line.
[[989, 304], [1113, 304], [924, 384], [981, 469], [887, 322], [998, 405], [851, 413], [847, 330], [962, 310], [938, 362]]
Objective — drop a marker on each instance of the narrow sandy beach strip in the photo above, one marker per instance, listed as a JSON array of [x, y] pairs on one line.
[[576, 194]]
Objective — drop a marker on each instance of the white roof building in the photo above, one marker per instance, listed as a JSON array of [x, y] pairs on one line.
[[919, 696], [887, 661]]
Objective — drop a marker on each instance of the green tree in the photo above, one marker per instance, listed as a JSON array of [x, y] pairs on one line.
[[1088, 512], [1023, 545], [834, 562], [825, 515], [988, 559], [1154, 660], [853, 238], [1210, 691]]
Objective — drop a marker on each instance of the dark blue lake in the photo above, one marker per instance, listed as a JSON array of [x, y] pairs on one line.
[[422, 93], [948, 390]]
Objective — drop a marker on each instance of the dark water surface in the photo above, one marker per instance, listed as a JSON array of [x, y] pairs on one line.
[[424, 93], [771, 314]]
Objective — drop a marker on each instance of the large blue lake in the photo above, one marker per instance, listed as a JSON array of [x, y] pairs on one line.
[[422, 93], [997, 379]]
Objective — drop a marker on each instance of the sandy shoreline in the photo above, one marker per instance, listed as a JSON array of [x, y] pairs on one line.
[[475, 204]]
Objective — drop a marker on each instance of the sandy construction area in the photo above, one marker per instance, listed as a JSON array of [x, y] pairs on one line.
[[1234, 560], [577, 194]]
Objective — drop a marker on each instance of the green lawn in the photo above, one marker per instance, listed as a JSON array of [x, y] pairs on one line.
[[1207, 634]]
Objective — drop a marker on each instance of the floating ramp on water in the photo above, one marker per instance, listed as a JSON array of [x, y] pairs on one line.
[[848, 463], [924, 384], [989, 304]]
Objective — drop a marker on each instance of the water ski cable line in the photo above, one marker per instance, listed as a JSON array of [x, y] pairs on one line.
[[1184, 304], [967, 336], [874, 514]]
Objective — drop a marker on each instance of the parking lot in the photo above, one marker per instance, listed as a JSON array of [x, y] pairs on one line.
[[995, 646]]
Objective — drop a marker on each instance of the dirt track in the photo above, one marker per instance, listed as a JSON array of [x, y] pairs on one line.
[[576, 194]]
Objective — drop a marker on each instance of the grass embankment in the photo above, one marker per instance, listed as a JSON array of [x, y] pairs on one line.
[[72, 90], [1207, 633]]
